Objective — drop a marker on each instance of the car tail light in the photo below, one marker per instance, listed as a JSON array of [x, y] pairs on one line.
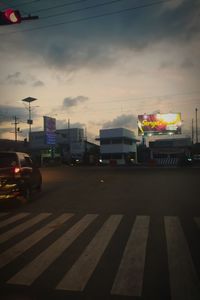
[[16, 170]]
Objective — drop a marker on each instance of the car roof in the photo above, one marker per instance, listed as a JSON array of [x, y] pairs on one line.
[[14, 152]]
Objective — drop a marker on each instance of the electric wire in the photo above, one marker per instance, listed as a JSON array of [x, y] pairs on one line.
[[59, 6], [82, 9], [90, 17], [24, 3]]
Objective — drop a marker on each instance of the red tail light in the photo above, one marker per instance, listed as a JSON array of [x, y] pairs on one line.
[[16, 170]]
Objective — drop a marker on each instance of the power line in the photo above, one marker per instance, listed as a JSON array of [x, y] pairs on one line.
[[25, 3], [58, 6], [152, 97], [14, 6], [91, 17], [82, 9], [125, 110]]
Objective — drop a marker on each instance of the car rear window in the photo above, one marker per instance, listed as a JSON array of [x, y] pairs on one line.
[[7, 160]]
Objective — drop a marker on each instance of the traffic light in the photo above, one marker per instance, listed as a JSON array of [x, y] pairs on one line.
[[10, 16]]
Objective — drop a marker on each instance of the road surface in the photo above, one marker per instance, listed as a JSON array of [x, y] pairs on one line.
[[104, 233]]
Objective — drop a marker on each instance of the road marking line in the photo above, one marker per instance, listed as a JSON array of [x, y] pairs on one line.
[[184, 281], [197, 221], [36, 267], [22, 227], [13, 219], [129, 279], [19, 248], [78, 276]]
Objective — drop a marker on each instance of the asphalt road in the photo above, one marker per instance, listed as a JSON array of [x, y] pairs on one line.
[[104, 233]]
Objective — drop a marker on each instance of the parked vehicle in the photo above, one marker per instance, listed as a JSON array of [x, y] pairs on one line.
[[19, 176]]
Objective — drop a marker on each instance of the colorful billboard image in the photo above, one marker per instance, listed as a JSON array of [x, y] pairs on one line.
[[159, 124], [50, 130]]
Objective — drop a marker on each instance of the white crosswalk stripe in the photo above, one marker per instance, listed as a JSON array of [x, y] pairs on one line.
[[30, 272], [19, 248], [20, 228], [13, 219], [78, 276], [128, 277], [184, 281]]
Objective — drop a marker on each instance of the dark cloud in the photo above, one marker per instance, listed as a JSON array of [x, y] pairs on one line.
[[69, 102], [127, 121], [7, 113], [187, 64], [166, 64], [94, 43], [16, 79], [38, 83]]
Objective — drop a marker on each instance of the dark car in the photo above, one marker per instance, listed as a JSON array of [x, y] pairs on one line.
[[19, 176]]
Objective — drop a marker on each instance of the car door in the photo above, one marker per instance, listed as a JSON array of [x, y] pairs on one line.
[[35, 172]]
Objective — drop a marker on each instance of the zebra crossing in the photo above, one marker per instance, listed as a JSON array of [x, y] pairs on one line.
[[24, 231], [169, 161]]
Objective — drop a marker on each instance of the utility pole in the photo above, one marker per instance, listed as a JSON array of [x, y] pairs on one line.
[[69, 139], [192, 131], [196, 126], [16, 129]]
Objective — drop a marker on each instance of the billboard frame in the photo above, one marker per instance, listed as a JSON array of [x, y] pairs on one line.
[[159, 124]]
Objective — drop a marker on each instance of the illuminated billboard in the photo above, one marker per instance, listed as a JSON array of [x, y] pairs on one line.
[[50, 130], [159, 124]]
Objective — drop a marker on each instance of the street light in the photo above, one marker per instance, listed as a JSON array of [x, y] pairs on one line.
[[29, 121]]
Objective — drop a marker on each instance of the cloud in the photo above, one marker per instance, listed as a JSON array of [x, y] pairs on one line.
[[166, 65], [127, 121], [187, 64], [7, 113], [97, 43], [69, 102], [38, 83], [16, 79], [63, 124], [77, 125]]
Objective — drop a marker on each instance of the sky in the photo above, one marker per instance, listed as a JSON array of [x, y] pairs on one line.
[[99, 63]]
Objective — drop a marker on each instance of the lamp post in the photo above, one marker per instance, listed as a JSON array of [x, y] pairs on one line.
[[29, 100]]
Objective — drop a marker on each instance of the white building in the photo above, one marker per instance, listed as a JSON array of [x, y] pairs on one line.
[[118, 146]]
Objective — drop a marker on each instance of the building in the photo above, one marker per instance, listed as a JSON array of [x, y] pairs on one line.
[[117, 146], [170, 151], [69, 144], [11, 145]]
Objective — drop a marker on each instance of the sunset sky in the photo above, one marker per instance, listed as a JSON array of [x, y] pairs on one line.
[[100, 63]]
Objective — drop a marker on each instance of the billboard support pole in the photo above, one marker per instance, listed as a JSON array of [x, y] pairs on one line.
[[196, 126], [143, 140], [192, 131]]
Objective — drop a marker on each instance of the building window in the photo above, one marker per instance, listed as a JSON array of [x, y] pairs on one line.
[[117, 141], [108, 156], [127, 141], [105, 142]]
